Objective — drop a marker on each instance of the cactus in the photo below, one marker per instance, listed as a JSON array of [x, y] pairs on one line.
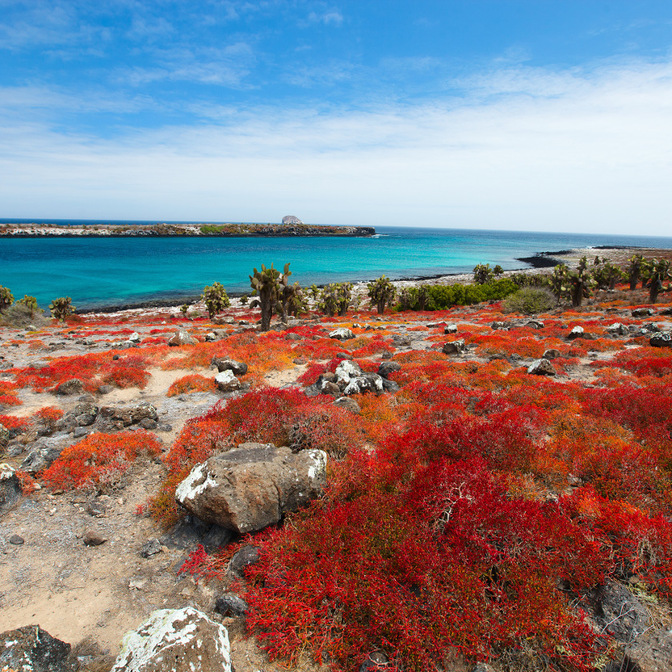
[[6, 298], [483, 274], [606, 274], [215, 298], [335, 298], [574, 285], [62, 307], [381, 293], [635, 269], [266, 287], [290, 298], [660, 271]]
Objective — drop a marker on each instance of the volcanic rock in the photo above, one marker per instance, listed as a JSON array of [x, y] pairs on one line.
[[254, 486]]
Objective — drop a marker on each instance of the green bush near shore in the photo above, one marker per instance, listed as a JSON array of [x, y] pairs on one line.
[[530, 301], [440, 297], [21, 315]]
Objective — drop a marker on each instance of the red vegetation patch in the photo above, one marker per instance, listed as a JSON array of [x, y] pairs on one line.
[[191, 383], [442, 562], [99, 459], [94, 370], [14, 424]]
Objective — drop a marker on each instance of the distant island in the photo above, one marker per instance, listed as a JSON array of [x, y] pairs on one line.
[[291, 226]]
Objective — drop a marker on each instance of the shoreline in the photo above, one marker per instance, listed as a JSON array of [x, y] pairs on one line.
[[539, 263]]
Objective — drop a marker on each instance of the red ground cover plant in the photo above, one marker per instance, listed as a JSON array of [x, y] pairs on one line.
[[10, 400], [99, 460], [422, 567], [191, 383], [13, 423], [47, 416], [94, 370]]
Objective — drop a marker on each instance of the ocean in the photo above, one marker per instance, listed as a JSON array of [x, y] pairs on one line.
[[111, 272]]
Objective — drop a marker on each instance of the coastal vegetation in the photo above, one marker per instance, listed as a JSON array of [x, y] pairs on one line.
[[181, 230]]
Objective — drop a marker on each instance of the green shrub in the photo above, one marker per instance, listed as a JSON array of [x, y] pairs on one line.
[[21, 315], [530, 301], [530, 279], [441, 297]]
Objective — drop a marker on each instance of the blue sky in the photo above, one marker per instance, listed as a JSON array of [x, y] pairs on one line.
[[536, 115]]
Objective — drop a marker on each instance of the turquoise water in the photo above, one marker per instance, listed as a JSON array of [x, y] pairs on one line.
[[105, 272]]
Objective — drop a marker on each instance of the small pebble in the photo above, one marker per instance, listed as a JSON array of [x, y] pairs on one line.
[[16, 540]]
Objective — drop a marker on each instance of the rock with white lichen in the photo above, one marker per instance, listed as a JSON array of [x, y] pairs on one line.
[[175, 640], [31, 649], [254, 486]]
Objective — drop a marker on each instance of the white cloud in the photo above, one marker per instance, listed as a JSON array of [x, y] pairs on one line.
[[328, 18], [521, 148]]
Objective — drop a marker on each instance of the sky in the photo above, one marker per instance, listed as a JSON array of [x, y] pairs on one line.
[[545, 115]]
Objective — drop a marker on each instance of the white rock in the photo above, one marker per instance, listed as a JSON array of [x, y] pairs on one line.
[[226, 381]]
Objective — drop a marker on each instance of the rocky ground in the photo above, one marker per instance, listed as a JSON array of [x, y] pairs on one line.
[[88, 566]]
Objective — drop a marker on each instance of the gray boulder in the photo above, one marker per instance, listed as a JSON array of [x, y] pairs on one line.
[[643, 312], [85, 414], [576, 332], [450, 329], [390, 386], [367, 382], [341, 334], [226, 381], [386, 368], [619, 612], [551, 353], [535, 324], [230, 604], [541, 367], [42, 456], [346, 371], [662, 339], [118, 417], [5, 436], [254, 486], [376, 660], [246, 556], [175, 640], [454, 347], [617, 329], [181, 337], [225, 364], [10, 488], [71, 386], [31, 649]]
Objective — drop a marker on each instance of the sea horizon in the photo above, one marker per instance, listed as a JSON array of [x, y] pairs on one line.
[[102, 273]]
